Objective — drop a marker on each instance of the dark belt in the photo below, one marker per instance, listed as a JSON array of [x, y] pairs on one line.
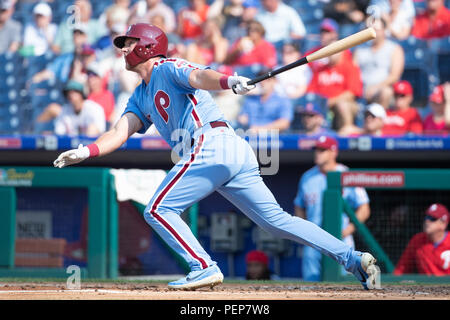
[[214, 124]]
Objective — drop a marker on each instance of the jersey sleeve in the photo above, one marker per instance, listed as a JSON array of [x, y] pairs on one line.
[[298, 201], [132, 106], [177, 72], [356, 197]]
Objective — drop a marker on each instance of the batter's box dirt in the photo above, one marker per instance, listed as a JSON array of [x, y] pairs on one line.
[[226, 291]]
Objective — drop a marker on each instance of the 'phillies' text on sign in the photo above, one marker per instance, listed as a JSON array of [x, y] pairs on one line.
[[373, 179]]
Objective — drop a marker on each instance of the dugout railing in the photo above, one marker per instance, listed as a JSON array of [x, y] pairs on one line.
[[374, 179]]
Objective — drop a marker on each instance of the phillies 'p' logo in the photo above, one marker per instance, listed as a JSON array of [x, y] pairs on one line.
[[446, 257], [162, 102]]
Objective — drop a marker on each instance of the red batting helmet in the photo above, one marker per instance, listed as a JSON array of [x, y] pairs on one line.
[[152, 42]]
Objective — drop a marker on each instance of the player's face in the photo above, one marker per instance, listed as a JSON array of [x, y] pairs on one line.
[[438, 108], [372, 123], [323, 156], [255, 270], [432, 225], [129, 45], [311, 121], [402, 101], [76, 100]]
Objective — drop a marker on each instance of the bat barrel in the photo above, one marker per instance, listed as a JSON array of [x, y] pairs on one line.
[[340, 45], [343, 44]]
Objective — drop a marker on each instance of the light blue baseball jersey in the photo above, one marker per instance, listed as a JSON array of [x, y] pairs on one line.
[[171, 103], [310, 190]]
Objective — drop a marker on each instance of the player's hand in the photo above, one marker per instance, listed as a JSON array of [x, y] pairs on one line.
[[239, 84], [72, 156]]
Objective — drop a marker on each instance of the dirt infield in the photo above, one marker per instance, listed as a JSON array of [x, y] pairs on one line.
[[227, 291]]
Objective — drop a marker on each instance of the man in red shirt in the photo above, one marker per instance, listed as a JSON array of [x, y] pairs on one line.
[[434, 22], [338, 79], [402, 118], [98, 91], [438, 121], [253, 48], [191, 18], [428, 252]]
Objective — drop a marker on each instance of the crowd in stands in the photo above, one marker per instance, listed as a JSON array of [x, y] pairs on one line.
[[58, 65]]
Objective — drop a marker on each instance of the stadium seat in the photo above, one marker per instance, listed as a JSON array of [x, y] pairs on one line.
[[177, 5], [441, 47], [11, 63], [419, 79], [444, 67], [417, 53], [34, 64], [419, 5], [10, 125]]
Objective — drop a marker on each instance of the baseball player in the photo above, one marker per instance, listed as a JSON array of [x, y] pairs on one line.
[[308, 201], [428, 252], [174, 97]]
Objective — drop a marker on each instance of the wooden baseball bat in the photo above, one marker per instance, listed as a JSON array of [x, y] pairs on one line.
[[340, 45]]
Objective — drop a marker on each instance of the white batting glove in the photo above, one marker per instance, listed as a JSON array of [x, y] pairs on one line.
[[239, 84], [72, 156]]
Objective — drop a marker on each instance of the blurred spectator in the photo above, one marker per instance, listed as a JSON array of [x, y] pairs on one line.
[[98, 92], [338, 79], [176, 47], [346, 11], [329, 33], [10, 30], [191, 18], [292, 83], [144, 10], [121, 82], [313, 120], [252, 49], [402, 118], [116, 13], [236, 14], [65, 65], [39, 34], [266, 111], [80, 63], [308, 201], [106, 42], [438, 121], [379, 8], [257, 265], [78, 117], [374, 117], [428, 252], [434, 22], [381, 65], [211, 47], [82, 18], [281, 21], [399, 16]]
